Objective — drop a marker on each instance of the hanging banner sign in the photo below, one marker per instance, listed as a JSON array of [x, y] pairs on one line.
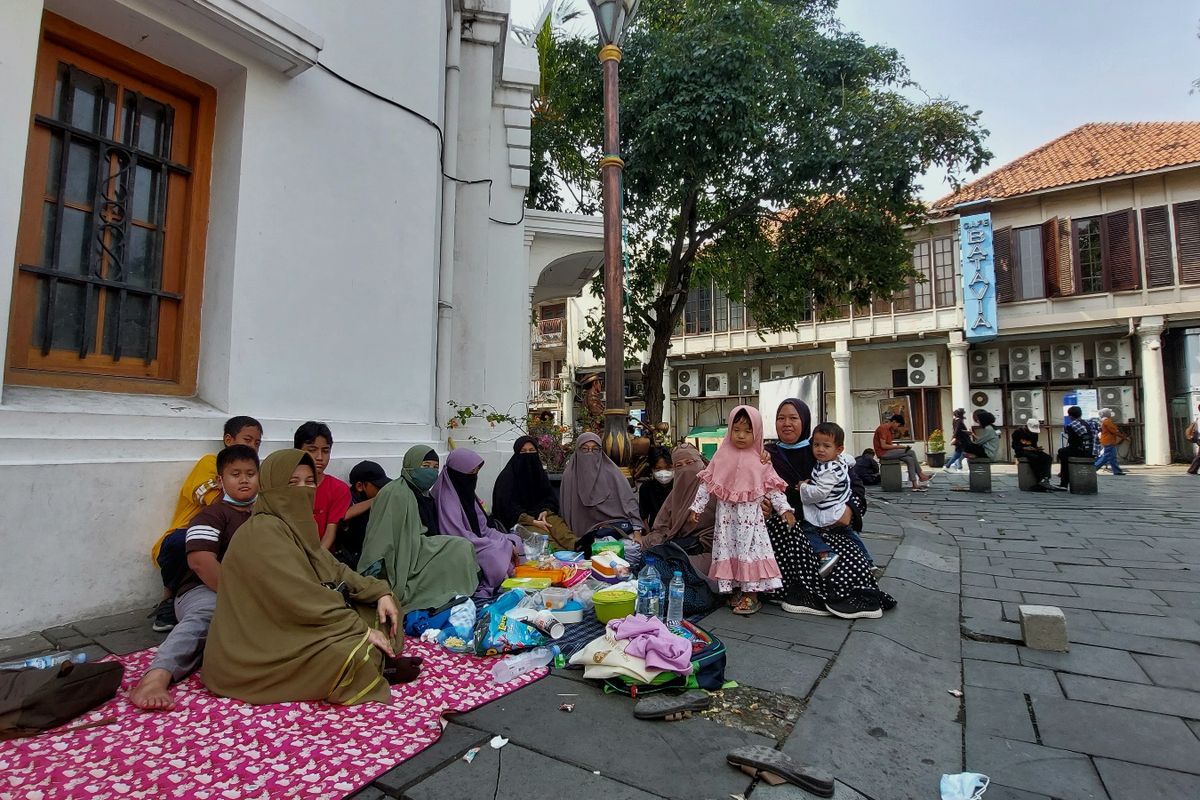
[[978, 276]]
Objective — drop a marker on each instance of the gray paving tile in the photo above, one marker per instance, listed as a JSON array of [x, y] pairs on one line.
[[822, 632], [455, 741], [131, 640], [763, 667], [994, 712], [922, 575], [649, 755], [1142, 697], [978, 579], [1171, 671], [1098, 580], [900, 720], [1125, 595], [922, 620], [1134, 643], [1166, 627], [988, 651], [788, 792], [986, 593], [1126, 781], [138, 618], [991, 628], [1037, 586], [1160, 574], [1034, 768], [997, 792], [515, 773], [1010, 677], [28, 645], [1092, 604], [1100, 730], [1181, 599], [1024, 564], [1083, 659]]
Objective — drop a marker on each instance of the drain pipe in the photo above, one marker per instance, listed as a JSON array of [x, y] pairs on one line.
[[445, 303]]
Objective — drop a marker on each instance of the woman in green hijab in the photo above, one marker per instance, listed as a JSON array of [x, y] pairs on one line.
[[424, 571], [420, 470], [293, 623]]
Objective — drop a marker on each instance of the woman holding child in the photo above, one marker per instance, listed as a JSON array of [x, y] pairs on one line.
[[292, 623], [846, 587]]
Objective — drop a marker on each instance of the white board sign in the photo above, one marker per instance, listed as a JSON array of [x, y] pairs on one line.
[[808, 388]]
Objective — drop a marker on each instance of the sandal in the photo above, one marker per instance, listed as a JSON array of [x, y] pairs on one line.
[[769, 764], [734, 600], [747, 605], [671, 707], [919, 489]]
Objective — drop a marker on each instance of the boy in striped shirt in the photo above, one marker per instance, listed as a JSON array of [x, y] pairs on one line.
[[208, 537], [826, 495]]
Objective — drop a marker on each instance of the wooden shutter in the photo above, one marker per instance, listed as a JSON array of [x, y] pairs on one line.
[[1002, 253], [1068, 282], [1120, 251], [1187, 240], [1156, 244], [1050, 257]]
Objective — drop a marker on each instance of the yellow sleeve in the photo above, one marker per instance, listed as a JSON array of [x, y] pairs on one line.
[[200, 489]]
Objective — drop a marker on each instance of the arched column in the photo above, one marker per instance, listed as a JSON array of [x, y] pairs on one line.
[[1154, 392]]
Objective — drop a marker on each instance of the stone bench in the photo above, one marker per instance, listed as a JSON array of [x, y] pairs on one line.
[[1082, 472], [889, 475], [1026, 478], [979, 471]]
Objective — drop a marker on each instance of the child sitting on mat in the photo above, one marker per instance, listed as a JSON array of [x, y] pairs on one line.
[[208, 538]]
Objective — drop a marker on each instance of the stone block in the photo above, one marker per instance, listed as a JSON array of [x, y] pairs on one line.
[[889, 475], [1026, 479], [1044, 628], [980, 475], [1082, 472]]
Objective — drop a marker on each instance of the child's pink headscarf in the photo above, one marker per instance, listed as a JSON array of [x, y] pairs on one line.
[[739, 476]]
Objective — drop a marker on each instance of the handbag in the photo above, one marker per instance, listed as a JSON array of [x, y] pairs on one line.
[[36, 700]]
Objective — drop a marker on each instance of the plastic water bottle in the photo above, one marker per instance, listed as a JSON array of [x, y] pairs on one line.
[[675, 601], [513, 667], [645, 588], [46, 661], [658, 596]]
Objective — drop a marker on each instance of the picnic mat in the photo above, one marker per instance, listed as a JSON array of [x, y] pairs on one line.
[[212, 747]]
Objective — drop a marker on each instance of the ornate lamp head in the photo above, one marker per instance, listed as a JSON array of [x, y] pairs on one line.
[[613, 18]]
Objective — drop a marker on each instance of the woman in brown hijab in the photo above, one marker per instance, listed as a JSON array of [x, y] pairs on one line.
[[292, 622], [673, 522]]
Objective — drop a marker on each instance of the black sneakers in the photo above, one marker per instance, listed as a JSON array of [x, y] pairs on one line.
[[800, 602], [854, 608], [164, 616]]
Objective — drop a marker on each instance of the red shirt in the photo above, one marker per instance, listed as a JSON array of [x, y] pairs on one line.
[[882, 441], [333, 500]]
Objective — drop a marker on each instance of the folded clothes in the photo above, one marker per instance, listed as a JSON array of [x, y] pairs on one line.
[[650, 639]]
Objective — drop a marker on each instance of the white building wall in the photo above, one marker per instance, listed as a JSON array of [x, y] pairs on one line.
[[320, 282]]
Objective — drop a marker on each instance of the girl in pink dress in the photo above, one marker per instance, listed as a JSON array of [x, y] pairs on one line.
[[738, 478]]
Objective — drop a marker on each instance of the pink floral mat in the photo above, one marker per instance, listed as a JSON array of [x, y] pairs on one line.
[[211, 747]]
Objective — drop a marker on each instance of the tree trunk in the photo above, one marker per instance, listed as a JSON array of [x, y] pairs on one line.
[[652, 373]]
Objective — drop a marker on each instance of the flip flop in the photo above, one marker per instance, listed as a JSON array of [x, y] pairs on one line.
[[745, 607], [766, 763], [919, 489], [671, 707]]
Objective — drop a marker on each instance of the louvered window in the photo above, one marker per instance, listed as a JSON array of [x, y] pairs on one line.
[[1187, 240], [1156, 244], [1050, 257], [1120, 251], [1002, 255]]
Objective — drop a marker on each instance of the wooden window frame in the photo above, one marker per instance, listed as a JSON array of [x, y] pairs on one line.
[[1077, 258], [920, 288], [945, 282], [1018, 268], [174, 369]]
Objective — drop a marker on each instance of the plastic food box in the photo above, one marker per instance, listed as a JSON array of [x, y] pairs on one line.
[[555, 598], [613, 604], [532, 584], [570, 613]]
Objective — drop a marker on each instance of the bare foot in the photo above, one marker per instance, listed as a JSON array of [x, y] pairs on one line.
[[151, 692]]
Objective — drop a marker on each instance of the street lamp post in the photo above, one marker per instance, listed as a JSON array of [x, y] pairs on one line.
[[612, 19]]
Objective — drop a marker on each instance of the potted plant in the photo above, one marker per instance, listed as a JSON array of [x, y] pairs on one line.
[[935, 449]]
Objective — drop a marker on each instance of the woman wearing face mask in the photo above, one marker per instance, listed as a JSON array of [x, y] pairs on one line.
[[655, 489], [424, 571], [292, 623], [674, 522], [594, 490], [523, 495], [460, 514], [420, 470]]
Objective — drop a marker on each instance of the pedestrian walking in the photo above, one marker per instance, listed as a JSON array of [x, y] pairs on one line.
[[1110, 437], [961, 434], [1193, 436]]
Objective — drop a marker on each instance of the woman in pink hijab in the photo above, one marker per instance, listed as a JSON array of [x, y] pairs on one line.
[[742, 558]]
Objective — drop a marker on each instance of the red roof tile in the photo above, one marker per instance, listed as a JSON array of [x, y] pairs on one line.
[[1090, 152]]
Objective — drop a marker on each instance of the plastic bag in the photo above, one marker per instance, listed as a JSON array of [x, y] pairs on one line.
[[458, 635], [496, 633], [964, 786]]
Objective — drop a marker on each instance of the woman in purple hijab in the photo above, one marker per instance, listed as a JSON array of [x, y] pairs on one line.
[[460, 514]]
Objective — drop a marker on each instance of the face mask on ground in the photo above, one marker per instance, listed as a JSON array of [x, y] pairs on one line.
[[664, 475], [964, 786], [423, 477]]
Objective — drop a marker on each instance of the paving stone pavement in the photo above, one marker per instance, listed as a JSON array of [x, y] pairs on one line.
[[1118, 716]]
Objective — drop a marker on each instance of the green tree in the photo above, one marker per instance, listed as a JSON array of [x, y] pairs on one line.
[[768, 150]]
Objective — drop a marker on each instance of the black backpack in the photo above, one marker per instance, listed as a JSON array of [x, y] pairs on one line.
[[616, 528], [698, 595], [36, 700]]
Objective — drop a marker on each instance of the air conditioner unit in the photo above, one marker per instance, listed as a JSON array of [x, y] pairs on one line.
[[1066, 361], [922, 369], [1027, 404], [1120, 400], [1025, 363], [984, 366], [748, 378], [1113, 358], [781, 371], [687, 383], [987, 400], [716, 385]]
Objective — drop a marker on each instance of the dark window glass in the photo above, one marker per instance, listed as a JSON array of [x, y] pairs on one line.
[[1031, 283], [922, 285], [1088, 249], [943, 270], [720, 311]]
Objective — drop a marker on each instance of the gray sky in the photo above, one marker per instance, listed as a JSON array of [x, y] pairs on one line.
[[1036, 68]]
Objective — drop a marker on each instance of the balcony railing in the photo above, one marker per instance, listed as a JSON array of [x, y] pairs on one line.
[[539, 387], [549, 332]]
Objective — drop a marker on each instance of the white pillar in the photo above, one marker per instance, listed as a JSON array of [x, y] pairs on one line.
[[566, 397], [1154, 392], [843, 403], [960, 375]]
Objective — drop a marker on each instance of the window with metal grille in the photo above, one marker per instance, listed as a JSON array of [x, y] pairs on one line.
[[943, 271], [110, 247], [720, 311], [1089, 254]]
